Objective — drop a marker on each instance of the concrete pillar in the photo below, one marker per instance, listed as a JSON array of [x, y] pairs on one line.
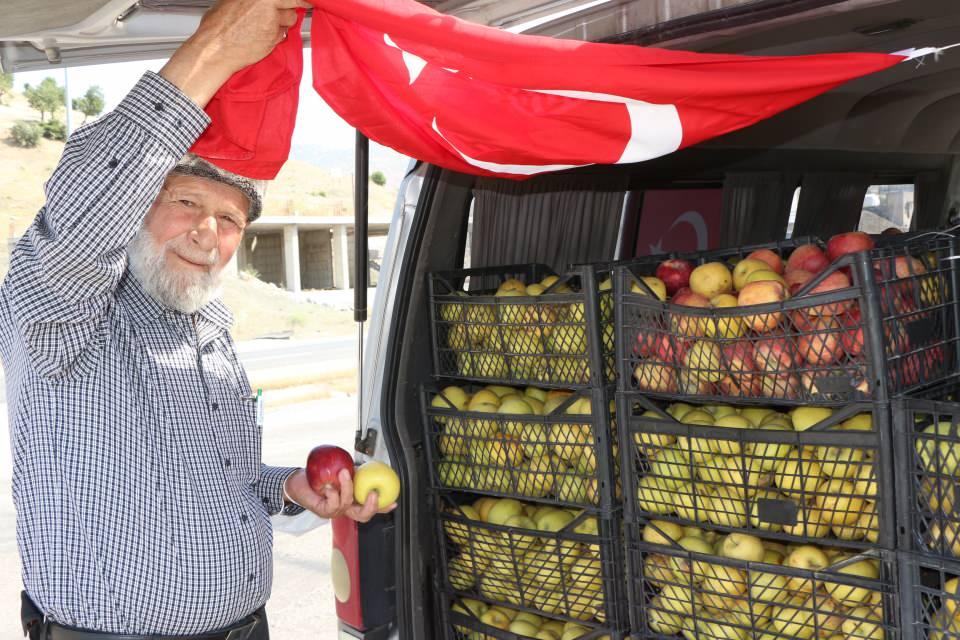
[[340, 255], [291, 258]]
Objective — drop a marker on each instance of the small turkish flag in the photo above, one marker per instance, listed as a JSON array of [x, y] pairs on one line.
[[480, 100]]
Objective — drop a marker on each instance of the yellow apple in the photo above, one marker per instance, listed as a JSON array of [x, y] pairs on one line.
[[839, 503], [863, 623], [806, 417], [662, 532], [503, 510], [459, 532], [841, 462], [811, 523], [798, 475], [851, 596], [375, 476], [727, 507], [808, 558], [742, 546], [657, 570]]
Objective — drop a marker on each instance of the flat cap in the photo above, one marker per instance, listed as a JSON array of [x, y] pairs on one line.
[[254, 190]]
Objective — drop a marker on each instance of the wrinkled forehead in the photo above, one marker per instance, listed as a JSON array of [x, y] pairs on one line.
[[209, 193]]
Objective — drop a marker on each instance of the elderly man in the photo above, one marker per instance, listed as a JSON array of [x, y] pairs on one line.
[[142, 505]]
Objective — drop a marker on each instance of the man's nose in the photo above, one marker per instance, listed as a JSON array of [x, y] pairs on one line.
[[205, 234]]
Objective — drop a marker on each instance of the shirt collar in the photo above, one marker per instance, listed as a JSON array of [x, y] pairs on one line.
[[148, 308]]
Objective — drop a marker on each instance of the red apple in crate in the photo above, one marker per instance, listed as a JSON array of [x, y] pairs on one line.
[[820, 345], [852, 337], [674, 273], [324, 465], [797, 280], [776, 354], [683, 324], [808, 257], [844, 243], [770, 257], [763, 292], [833, 282]]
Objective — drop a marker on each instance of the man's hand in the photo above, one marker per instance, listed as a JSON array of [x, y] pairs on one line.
[[332, 503], [232, 35]]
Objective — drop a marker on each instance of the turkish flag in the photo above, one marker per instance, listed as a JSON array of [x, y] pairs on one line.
[[480, 100]]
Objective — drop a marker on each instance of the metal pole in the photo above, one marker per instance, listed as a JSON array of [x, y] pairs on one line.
[[360, 202], [69, 106]]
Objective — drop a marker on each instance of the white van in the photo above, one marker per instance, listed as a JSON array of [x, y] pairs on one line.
[[899, 127]]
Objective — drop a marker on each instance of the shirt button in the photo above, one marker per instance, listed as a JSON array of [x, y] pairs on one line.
[[113, 163], [266, 501], [244, 518], [158, 106], [227, 462], [250, 577], [214, 406]]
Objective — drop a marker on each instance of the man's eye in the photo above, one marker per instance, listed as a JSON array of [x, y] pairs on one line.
[[185, 202], [231, 220]]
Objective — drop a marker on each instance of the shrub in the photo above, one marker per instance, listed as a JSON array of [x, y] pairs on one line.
[[378, 178], [25, 134], [54, 130]]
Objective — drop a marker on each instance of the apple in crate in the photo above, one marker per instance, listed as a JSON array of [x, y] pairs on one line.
[[844, 243], [675, 274], [324, 465], [808, 257]]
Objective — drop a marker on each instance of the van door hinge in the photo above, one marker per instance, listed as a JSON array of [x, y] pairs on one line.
[[366, 444]]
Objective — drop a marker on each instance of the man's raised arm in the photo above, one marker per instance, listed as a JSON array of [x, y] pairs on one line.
[[66, 267]]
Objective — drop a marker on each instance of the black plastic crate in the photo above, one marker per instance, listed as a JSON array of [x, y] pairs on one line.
[[928, 451], [931, 598], [561, 564], [679, 593], [892, 328], [461, 621], [567, 457], [562, 337], [831, 483]]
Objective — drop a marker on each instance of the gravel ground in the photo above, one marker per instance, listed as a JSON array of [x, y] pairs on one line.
[[302, 605]]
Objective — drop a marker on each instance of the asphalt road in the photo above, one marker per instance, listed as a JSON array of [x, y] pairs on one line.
[[265, 354]]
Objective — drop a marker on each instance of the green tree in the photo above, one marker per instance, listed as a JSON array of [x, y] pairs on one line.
[[378, 178], [91, 104], [6, 85], [46, 97]]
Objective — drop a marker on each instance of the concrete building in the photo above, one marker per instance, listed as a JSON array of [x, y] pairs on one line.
[[307, 252]]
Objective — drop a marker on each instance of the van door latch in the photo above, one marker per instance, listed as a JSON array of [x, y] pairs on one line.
[[366, 444]]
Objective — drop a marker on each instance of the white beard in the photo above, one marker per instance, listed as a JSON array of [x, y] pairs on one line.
[[178, 289]]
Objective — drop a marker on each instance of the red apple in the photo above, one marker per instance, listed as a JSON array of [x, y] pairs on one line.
[[797, 279], [770, 257], [820, 346], [762, 292], [675, 274], [844, 243], [852, 336], [690, 325], [833, 282], [807, 257], [324, 465], [776, 354]]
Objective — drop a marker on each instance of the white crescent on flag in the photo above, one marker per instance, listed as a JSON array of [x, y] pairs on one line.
[[655, 129]]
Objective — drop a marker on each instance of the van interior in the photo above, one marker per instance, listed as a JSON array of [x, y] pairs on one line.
[[841, 162]]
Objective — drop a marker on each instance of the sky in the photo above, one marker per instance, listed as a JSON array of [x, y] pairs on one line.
[[316, 122]]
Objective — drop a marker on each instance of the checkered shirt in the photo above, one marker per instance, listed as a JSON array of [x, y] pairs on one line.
[[142, 505]]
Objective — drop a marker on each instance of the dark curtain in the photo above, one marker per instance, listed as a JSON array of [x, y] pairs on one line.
[[830, 203], [553, 220], [929, 201], [756, 206]]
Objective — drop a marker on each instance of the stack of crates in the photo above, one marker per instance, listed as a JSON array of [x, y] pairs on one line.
[[764, 495], [520, 436]]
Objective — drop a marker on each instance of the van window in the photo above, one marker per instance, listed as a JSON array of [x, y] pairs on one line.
[[885, 206], [793, 213]]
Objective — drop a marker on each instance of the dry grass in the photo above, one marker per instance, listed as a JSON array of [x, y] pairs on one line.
[[262, 309], [259, 308]]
